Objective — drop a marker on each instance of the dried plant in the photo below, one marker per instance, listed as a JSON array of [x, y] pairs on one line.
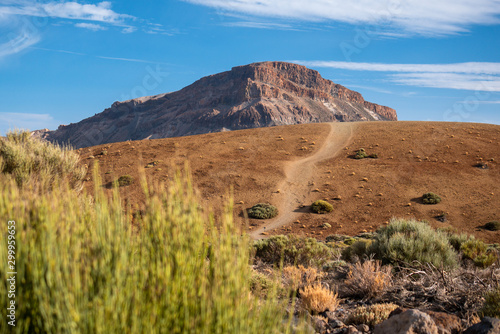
[[369, 279], [316, 298]]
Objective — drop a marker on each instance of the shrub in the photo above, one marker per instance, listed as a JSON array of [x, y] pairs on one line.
[[478, 252], [316, 299], [297, 277], [373, 156], [410, 241], [82, 268], [430, 198], [456, 240], [124, 180], [263, 211], [361, 154], [357, 250], [264, 286], [491, 307], [370, 315], [32, 161], [492, 226], [321, 206], [292, 250], [369, 279]]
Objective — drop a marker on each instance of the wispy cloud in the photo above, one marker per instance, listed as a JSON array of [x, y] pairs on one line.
[[18, 42], [132, 60], [465, 76], [426, 17], [259, 25], [90, 26], [26, 121]]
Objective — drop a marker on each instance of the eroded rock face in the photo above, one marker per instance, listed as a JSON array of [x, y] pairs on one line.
[[251, 96]]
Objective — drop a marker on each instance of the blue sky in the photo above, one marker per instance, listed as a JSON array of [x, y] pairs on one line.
[[62, 61]]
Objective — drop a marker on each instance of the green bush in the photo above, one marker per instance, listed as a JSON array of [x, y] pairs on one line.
[[263, 211], [456, 240], [361, 154], [370, 315], [263, 286], [491, 307], [409, 241], [36, 162], [357, 250], [292, 250], [82, 268], [478, 251], [492, 226], [321, 206], [124, 180], [431, 198]]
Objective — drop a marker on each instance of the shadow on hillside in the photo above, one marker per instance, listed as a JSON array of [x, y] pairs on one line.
[[419, 200], [304, 209]]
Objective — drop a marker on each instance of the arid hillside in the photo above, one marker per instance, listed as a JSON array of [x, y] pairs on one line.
[[291, 166]]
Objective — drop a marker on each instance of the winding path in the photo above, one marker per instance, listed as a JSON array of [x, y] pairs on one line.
[[299, 174]]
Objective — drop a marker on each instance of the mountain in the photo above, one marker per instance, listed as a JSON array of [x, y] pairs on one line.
[[251, 96]]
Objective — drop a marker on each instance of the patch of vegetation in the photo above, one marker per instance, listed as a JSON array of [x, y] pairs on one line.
[[124, 180], [81, 266], [430, 198], [31, 161], [456, 240], [491, 307], [292, 250], [357, 250], [370, 315], [317, 298], [410, 241], [482, 165], [262, 211], [368, 279], [478, 252], [361, 154], [492, 226], [298, 277], [263, 286], [321, 206]]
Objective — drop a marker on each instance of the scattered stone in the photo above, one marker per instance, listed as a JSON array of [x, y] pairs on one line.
[[326, 225], [407, 322], [363, 328], [351, 330], [446, 323], [486, 326]]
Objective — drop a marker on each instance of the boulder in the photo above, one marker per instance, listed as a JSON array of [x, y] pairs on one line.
[[486, 326], [407, 322]]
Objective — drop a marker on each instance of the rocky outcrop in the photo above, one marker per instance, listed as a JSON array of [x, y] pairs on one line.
[[255, 95]]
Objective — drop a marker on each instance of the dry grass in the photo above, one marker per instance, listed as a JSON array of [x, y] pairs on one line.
[[297, 277], [369, 279], [316, 298], [371, 315]]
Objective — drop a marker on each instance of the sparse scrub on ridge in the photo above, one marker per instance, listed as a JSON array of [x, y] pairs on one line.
[[362, 154], [491, 307], [317, 298], [370, 315], [292, 250], [82, 268], [368, 279], [357, 250], [413, 243], [297, 277], [431, 198], [264, 286], [262, 211], [32, 161], [321, 206]]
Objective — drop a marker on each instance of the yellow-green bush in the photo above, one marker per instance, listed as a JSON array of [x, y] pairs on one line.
[[478, 252], [32, 161], [321, 206], [491, 307], [370, 315], [81, 268]]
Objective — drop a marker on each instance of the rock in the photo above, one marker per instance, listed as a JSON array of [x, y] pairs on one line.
[[446, 323], [407, 322], [351, 330], [251, 96], [363, 328], [335, 323], [486, 326], [319, 324]]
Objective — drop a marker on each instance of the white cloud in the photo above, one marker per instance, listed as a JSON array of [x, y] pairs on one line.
[[475, 76], [258, 25], [100, 12], [427, 17], [129, 30], [18, 42], [90, 26], [26, 121]]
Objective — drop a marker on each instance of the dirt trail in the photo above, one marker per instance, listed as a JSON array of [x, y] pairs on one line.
[[297, 187]]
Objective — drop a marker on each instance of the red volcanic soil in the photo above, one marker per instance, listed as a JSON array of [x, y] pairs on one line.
[[291, 166]]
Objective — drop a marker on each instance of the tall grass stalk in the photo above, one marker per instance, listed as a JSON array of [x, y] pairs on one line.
[[81, 268]]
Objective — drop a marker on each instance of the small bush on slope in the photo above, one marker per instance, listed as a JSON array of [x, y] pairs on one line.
[[292, 250], [478, 252], [82, 269], [321, 206], [409, 241], [32, 161], [491, 307], [368, 279], [263, 211], [316, 299], [370, 315], [431, 198]]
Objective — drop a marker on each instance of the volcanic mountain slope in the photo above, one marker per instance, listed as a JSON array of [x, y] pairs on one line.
[[292, 166], [256, 95]]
